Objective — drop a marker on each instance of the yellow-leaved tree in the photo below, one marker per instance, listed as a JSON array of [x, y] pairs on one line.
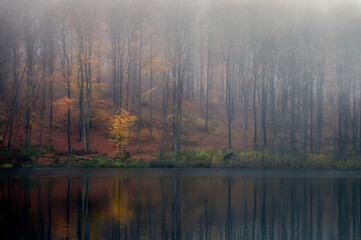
[[121, 129]]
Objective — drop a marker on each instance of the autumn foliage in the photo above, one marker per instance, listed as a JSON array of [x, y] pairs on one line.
[[198, 76], [120, 129]]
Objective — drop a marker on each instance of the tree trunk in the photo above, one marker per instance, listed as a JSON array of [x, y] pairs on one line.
[[180, 74], [30, 51], [305, 108], [354, 118], [254, 109], [88, 75], [201, 78], [293, 103], [245, 97], [114, 72], [229, 99], [273, 112], [319, 109], [43, 105], [51, 69], [165, 105], [311, 111], [68, 94], [128, 73], [208, 75], [359, 144], [264, 106], [81, 94], [139, 87], [16, 86], [81, 100], [151, 87]]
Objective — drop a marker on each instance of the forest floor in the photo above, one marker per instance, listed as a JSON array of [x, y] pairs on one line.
[[198, 148]]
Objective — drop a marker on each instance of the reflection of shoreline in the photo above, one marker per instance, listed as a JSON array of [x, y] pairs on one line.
[[177, 172], [206, 207]]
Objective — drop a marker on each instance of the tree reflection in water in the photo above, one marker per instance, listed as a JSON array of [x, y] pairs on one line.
[[179, 208]]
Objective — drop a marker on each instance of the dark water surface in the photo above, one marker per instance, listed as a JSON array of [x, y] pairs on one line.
[[179, 204]]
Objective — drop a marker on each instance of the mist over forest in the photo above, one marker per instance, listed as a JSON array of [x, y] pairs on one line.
[[143, 79]]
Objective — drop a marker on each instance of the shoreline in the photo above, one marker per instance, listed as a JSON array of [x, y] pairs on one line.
[[218, 159]]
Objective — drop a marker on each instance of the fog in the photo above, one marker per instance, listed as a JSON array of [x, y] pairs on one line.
[[281, 76]]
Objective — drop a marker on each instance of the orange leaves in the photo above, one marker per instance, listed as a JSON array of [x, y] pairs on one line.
[[170, 117], [61, 107], [65, 101]]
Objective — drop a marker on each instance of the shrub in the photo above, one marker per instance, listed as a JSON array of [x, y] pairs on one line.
[[186, 140], [120, 129]]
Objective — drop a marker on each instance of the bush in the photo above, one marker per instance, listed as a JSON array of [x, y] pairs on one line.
[[199, 123], [144, 135], [188, 141], [33, 152]]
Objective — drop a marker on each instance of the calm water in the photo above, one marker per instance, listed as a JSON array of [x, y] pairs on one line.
[[179, 204]]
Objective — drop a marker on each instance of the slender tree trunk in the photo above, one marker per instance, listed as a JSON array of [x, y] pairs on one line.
[[134, 86], [340, 123], [51, 72], [81, 94], [273, 112], [43, 107], [283, 115], [151, 87], [86, 107], [81, 100], [174, 90], [139, 88], [65, 62], [14, 108], [121, 77], [254, 110], [201, 79], [114, 72], [121, 73], [88, 75], [128, 73], [359, 144], [293, 100], [245, 95], [305, 111], [69, 118], [208, 76], [298, 118], [354, 118], [165, 105], [319, 109], [311, 112], [180, 74], [30, 51], [229, 99], [264, 106]]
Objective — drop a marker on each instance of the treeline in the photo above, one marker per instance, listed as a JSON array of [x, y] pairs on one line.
[[291, 70]]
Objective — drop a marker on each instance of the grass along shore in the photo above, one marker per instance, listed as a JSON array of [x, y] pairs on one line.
[[198, 159]]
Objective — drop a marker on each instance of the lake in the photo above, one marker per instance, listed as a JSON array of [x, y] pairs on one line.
[[179, 204]]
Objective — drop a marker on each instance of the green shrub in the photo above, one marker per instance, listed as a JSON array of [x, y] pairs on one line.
[[187, 141]]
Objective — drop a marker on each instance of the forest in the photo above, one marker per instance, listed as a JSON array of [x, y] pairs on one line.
[[138, 79]]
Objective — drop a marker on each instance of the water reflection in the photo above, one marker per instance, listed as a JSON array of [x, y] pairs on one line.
[[179, 208]]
